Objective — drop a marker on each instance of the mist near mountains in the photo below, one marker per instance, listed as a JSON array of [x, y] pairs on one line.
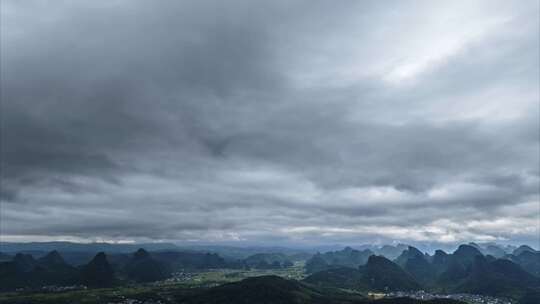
[[275, 123]]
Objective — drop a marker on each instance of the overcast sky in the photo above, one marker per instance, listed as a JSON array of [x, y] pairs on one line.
[[270, 122]]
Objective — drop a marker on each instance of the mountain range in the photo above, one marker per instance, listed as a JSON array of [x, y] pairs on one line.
[[23, 271], [468, 269], [347, 257], [378, 274]]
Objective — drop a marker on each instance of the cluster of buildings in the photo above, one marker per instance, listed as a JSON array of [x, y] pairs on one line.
[[134, 301], [178, 277], [464, 297], [53, 288]]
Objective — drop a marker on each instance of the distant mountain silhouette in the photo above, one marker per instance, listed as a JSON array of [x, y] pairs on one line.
[[4, 257], [347, 257], [53, 270], [439, 261], [26, 272], [383, 274], [24, 262], [490, 249], [528, 260], [523, 248], [316, 263], [23, 271], [341, 277], [416, 263], [98, 272], [494, 251], [16, 273], [189, 260], [468, 270], [53, 261], [143, 268], [466, 254], [268, 260], [409, 253], [497, 278], [457, 265], [378, 274], [391, 252]]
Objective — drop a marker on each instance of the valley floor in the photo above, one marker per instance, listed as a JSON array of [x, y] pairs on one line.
[[140, 293], [182, 282]]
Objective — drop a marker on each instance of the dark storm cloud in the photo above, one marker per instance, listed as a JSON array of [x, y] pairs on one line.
[[242, 121]]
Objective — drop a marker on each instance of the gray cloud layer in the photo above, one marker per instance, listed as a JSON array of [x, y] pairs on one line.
[[303, 121]]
